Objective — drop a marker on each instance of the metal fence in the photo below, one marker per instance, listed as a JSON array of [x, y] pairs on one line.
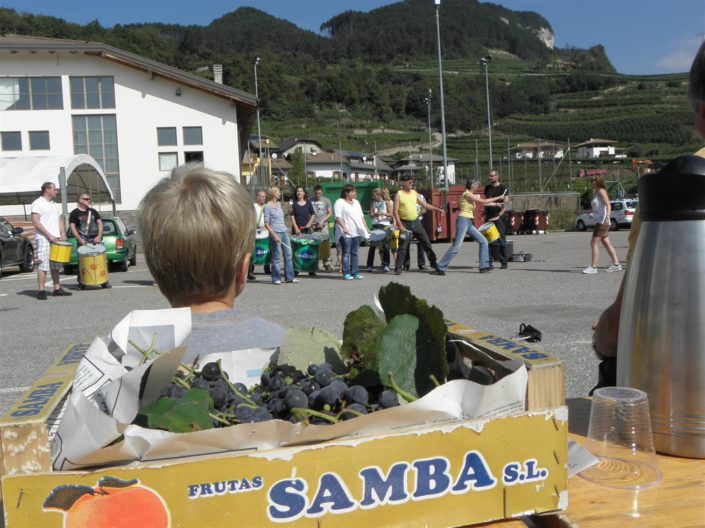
[[546, 201]]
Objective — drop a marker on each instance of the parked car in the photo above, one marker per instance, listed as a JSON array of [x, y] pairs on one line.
[[119, 242], [621, 215], [15, 250]]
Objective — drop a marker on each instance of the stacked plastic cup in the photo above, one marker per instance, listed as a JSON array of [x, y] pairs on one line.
[[620, 437]]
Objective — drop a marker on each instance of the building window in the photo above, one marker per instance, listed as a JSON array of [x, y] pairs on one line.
[[11, 140], [39, 140], [166, 136], [96, 135], [168, 161], [193, 136], [193, 157], [92, 92], [31, 93]]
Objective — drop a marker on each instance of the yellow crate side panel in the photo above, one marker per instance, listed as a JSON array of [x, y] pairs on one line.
[[445, 478]]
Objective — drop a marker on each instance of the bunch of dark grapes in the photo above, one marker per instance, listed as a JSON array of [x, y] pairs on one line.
[[318, 396]]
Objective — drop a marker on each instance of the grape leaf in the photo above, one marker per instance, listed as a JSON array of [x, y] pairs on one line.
[[183, 415], [397, 299], [361, 332], [304, 346], [398, 354]]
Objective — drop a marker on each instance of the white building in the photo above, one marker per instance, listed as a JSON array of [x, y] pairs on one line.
[[327, 165], [419, 165], [544, 150], [596, 148], [138, 118]]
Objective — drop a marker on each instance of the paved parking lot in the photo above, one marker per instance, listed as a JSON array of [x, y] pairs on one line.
[[549, 293]]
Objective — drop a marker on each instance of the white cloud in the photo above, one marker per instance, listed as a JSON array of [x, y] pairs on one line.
[[680, 57]]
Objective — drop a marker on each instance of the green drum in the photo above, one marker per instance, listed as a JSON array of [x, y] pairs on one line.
[[261, 255], [305, 252]]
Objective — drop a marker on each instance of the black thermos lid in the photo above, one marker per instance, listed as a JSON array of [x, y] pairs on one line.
[[676, 192]]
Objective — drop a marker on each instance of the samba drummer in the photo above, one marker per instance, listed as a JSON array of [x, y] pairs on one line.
[[48, 228], [464, 224], [87, 227]]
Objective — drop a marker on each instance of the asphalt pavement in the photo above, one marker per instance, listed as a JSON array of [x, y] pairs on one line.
[[549, 292]]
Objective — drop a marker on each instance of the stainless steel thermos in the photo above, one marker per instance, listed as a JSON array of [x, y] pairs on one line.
[[662, 325]]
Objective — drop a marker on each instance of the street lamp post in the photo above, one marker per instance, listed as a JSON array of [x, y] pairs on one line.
[[428, 100], [259, 131], [484, 61], [440, 83], [340, 155]]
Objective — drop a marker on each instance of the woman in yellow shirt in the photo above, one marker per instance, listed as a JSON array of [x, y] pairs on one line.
[[464, 224]]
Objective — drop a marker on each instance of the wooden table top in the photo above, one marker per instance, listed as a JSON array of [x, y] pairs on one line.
[[678, 501]]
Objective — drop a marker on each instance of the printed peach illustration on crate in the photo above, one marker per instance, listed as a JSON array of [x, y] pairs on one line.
[[112, 503]]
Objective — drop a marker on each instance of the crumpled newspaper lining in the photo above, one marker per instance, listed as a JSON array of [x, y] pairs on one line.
[[113, 382]]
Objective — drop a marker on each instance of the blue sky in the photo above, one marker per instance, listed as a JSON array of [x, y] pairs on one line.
[[640, 36]]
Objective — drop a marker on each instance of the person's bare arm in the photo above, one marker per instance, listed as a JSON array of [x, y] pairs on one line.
[[340, 222], [471, 197], [397, 219], [605, 337], [428, 207], [272, 233], [602, 194], [329, 213], [76, 234], [40, 227], [99, 223]]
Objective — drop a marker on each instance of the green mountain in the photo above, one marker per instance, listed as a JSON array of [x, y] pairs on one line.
[[372, 71]]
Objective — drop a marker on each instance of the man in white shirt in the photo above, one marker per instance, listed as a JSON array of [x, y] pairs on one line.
[[324, 210], [48, 227]]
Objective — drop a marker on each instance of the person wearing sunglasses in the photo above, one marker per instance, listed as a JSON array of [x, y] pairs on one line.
[[87, 228]]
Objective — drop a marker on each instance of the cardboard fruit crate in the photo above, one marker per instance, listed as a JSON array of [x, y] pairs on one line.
[[448, 474]]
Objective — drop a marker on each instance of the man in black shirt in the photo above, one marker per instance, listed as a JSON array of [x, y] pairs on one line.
[[494, 212], [87, 227]]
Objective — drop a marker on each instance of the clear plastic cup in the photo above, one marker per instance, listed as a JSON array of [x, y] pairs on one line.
[[620, 436]]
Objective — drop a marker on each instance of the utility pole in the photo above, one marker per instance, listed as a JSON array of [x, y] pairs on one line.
[[443, 112], [570, 166], [259, 130], [477, 161], [484, 61], [428, 100]]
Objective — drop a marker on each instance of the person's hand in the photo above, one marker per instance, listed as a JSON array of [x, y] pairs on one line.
[[443, 213], [81, 242], [98, 240], [62, 236], [276, 239], [298, 231]]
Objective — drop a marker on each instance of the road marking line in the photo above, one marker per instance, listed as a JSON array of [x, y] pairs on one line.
[[9, 390]]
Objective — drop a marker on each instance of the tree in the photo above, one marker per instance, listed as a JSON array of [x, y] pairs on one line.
[[297, 174]]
